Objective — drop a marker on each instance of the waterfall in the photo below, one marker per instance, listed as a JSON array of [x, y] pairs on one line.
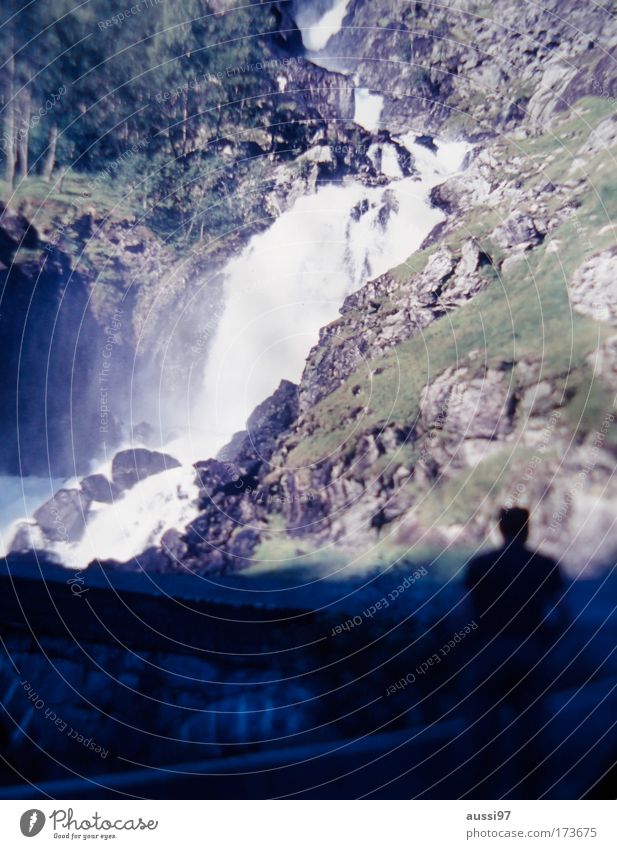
[[318, 28], [291, 280], [367, 109], [287, 283]]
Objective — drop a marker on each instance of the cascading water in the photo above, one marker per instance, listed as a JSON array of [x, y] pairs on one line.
[[288, 283], [367, 109], [291, 281], [318, 28]]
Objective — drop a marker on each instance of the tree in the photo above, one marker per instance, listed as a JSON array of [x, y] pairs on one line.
[[50, 154], [24, 114], [8, 132]]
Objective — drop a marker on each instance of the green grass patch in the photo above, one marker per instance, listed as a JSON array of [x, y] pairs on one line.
[[524, 312]]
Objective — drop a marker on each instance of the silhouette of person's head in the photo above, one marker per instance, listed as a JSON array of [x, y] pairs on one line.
[[514, 524]]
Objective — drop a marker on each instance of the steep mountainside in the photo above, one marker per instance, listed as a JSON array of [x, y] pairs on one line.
[[479, 372], [483, 370], [153, 175], [477, 67]]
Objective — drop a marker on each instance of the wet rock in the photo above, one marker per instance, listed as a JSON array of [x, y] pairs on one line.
[[173, 545], [136, 464], [213, 475], [320, 154], [99, 488], [226, 531], [428, 142], [444, 197], [266, 423], [28, 538], [63, 518]]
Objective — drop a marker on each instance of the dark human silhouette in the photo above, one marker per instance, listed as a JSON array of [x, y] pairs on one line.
[[514, 591], [514, 595]]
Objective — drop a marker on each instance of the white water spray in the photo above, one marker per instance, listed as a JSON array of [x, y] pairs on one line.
[[317, 32], [288, 283], [291, 280], [367, 109]]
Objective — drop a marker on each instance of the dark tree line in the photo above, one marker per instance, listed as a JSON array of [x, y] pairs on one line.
[[81, 84]]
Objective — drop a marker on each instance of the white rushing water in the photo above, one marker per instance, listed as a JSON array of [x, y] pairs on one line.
[[285, 285], [20, 497], [317, 31], [291, 280], [135, 521], [367, 109]]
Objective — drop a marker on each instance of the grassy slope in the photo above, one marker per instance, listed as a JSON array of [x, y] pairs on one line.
[[524, 313]]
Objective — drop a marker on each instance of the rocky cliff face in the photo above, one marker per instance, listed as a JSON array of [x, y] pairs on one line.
[[477, 67], [78, 316], [481, 372], [477, 380], [81, 270]]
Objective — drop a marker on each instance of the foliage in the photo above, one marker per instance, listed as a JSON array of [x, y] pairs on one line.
[[541, 322], [148, 96]]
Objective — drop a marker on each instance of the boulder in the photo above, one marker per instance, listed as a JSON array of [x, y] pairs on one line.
[[266, 423], [27, 537], [99, 488], [213, 475], [518, 230], [174, 545], [593, 288], [63, 518], [136, 464], [468, 406]]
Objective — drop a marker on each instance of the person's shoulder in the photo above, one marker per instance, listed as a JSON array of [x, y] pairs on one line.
[[544, 561], [485, 557], [481, 562], [549, 568]]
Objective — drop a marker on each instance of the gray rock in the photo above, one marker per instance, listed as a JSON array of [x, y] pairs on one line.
[[98, 488], [601, 138], [212, 475], [466, 281], [226, 532], [136, 464], [173, 545], [63, 518], [519, 229], [467, 405], [593, 288], [27, 537], [266, 423]]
